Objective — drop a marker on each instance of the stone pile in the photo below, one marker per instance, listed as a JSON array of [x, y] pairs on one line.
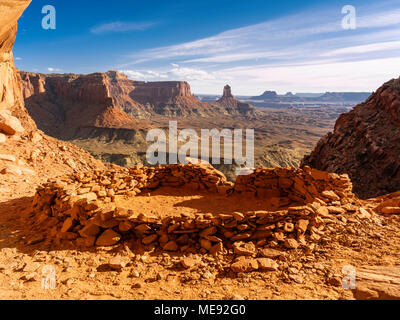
[[296, 185], [83, 209]]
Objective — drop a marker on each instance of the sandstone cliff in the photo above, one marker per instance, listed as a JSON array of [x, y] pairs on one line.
[[365, 144], [27, 156], [68, 106], [13, 116]]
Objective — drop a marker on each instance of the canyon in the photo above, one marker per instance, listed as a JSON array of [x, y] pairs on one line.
[[186, 231], [109, 115], [111, 100]]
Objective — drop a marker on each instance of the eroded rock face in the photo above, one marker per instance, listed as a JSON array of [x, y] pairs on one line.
[[27, 155], [365, 144], [13, 116]]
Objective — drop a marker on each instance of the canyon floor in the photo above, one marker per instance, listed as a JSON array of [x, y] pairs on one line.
[[282, 136]]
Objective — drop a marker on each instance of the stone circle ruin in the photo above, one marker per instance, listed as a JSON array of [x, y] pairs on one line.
[[93, 209]]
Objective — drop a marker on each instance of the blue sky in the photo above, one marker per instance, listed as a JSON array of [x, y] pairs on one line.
[[297, 46]]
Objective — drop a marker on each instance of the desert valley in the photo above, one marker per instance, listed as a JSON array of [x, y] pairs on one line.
[[80, 205]]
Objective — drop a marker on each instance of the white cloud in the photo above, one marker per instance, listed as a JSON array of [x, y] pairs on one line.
[[18, 59], [177, 73], [308, 51], [119, 26], [263, 39], [380, 46], [50, 69], [190, 74]]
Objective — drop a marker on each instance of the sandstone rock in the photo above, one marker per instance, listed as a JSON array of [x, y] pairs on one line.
[[302, 225], [17, 170], [125, 226], [336, 210], [149, 239], [3, 138], [206, 244], [323, 211], [37, 238], [235, 297], [291, 244], [108, 238], [142, 228], [118, 263], [36, 137], [90, 230], [390, 210], [218, 248], [8, 157], [319, 175], [302, 210], [9, 124], [238, 216], [171, 246], [271, 253], [266, 264], [335, 281], [121, 213], [208, 232], [91, 196], [245, 265], [364, 214], [67, 225], [189, 262], [279, 236], [244, 249], [242, 236], [330, 195], [67, 236], [90, 241], [377, 283]]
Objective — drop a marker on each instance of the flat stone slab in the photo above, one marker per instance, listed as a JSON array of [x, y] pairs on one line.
[[377, 283]]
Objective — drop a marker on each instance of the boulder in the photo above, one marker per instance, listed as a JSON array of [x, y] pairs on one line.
[[267, 264], [108, 238], [245, 265], [9, 124]]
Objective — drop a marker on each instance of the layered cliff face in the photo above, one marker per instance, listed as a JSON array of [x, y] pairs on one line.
[[143, 99], [65, 105], [27, 156], [366, 144], [61, 105]]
